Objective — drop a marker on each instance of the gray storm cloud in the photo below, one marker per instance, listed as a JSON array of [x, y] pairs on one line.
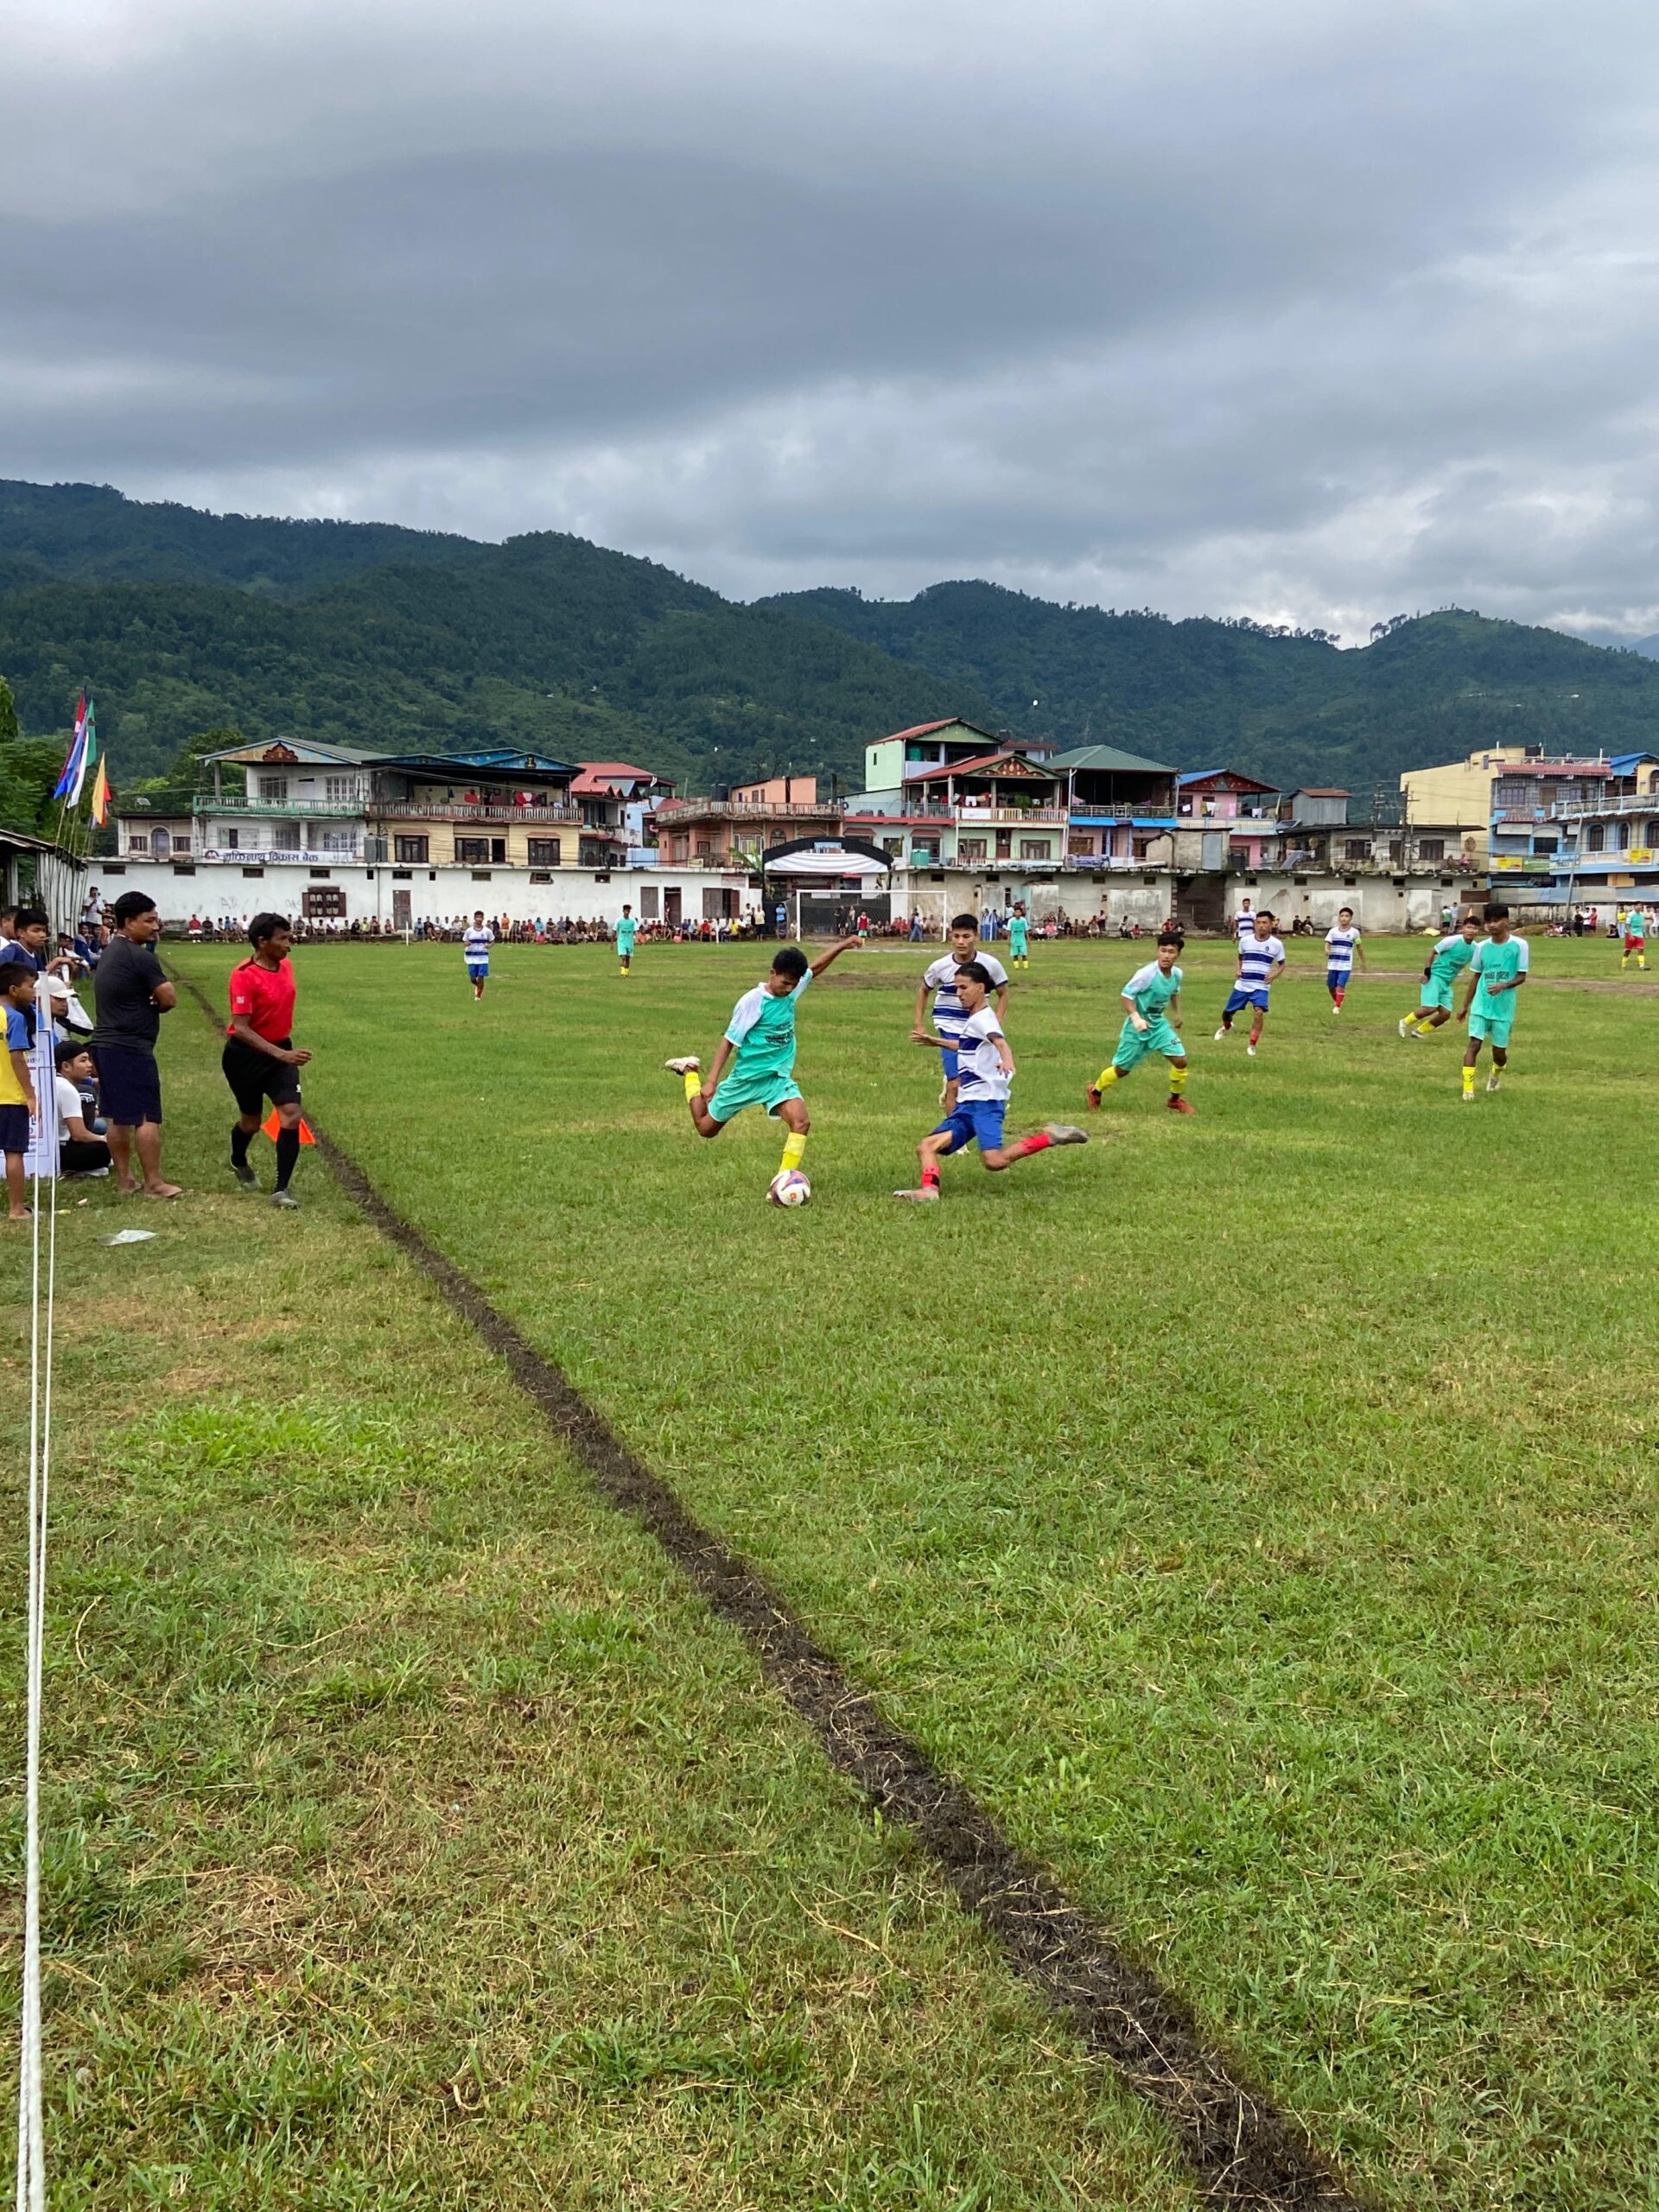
[[1319, 315]]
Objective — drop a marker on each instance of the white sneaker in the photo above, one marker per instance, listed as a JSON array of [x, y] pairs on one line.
[[1492, 1082], [1468, 1097], [688, 1064], [925, 1197], [1405, 1023], [1220, 1034], [1250, 1051]]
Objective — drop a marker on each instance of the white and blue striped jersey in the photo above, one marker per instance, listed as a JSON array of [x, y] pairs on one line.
[[1243, 925], [1256, 955], [475, 944], [941, 979], [981, 1072], [1339, 950]]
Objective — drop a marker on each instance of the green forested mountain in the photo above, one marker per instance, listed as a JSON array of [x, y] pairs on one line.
[[92, 533], [546, 641], [1291, 708], [364, 632]]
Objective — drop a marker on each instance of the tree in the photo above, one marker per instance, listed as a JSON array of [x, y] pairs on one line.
[[29, 767]]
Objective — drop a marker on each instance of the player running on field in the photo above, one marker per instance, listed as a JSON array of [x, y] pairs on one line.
[[940, 978], [1019, 928], [759, 1041], [1152, 1023], [626, 930], [986, 1071], [1445, 963], [1636, 938], [1343, 947], [476, 945], [1496, 972], [1261, 963]]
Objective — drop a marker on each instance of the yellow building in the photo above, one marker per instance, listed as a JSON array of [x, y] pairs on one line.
[[1459, 796]]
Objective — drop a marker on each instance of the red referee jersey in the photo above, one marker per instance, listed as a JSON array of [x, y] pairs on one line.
[[264, 996]]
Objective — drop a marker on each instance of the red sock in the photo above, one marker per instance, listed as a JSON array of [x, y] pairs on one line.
[[1041, 1142], [1337, 997], [931, 1175], [1256, 1036]]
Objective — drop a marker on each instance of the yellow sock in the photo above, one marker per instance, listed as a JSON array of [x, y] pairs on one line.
[[1469, 1079], [693, 1082], [1107, 1075], [1178, 1080], [794, 1151], [1424, 1027]]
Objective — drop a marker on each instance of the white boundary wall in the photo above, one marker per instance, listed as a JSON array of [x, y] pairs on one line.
[[219, 889], [1380, 903], [1126, 895]]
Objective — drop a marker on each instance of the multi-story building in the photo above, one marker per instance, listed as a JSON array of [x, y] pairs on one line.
[[1601, 840], [736, 829], [331, 832], [1120, 807], [990, 811], [1500, 807], [891, 762]]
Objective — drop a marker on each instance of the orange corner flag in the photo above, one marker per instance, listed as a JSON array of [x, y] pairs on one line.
[[274, 1125]]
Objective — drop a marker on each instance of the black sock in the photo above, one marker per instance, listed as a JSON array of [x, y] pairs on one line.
[[240, 1140], [288, 1155]]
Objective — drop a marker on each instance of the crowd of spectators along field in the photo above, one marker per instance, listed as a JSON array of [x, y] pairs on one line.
[[579, 929], [105, 1092]]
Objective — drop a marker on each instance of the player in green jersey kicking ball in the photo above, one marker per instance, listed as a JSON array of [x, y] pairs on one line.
[[1152, 1023], [759, 1041], [1018, 929], [1445, 963], [1496, 972]]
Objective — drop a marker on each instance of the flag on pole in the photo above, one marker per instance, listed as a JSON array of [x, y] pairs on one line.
[[77, 748], [101, 795], [88, 754]]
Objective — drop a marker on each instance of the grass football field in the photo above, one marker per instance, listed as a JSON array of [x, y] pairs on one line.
[[1256, 1511]]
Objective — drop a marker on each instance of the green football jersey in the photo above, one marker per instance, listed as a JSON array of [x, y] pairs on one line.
[[1452, 956], [1499, 963], [1149, 990]]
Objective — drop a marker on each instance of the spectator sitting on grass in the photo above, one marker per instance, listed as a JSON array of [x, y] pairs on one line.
[[79, 1152]]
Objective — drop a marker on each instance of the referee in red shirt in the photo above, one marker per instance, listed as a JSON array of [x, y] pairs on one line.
[[259, 1060]]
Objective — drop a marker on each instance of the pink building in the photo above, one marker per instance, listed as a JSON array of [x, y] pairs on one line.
[[1246, 809]]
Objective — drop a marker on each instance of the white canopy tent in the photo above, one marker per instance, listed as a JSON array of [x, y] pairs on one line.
[[835, 864]]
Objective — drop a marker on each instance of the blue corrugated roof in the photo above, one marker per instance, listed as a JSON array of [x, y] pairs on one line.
[[1622, 763]]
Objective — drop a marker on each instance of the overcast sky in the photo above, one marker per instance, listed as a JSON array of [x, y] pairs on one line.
[[1308, 311]]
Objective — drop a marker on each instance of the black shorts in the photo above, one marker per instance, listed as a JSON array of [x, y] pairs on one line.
[[14, 1128], [254, 1077], [129, 1085]]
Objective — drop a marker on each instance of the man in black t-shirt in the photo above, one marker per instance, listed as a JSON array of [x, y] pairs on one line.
[[132, 994]]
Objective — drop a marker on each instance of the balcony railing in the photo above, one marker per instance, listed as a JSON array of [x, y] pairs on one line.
[[971, 815], [287, 809], [1585, 809], [673, 811], [389, 809]]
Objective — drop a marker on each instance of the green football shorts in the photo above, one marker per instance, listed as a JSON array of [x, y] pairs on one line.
[[738, 1090], [1133, 1045]]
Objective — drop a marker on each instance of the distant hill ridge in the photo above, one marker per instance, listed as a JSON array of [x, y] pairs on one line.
[[371, 633]]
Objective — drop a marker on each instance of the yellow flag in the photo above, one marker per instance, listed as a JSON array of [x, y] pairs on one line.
[[100, 795]]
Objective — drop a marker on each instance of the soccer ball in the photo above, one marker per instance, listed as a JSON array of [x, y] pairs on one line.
[[789, 1189]]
